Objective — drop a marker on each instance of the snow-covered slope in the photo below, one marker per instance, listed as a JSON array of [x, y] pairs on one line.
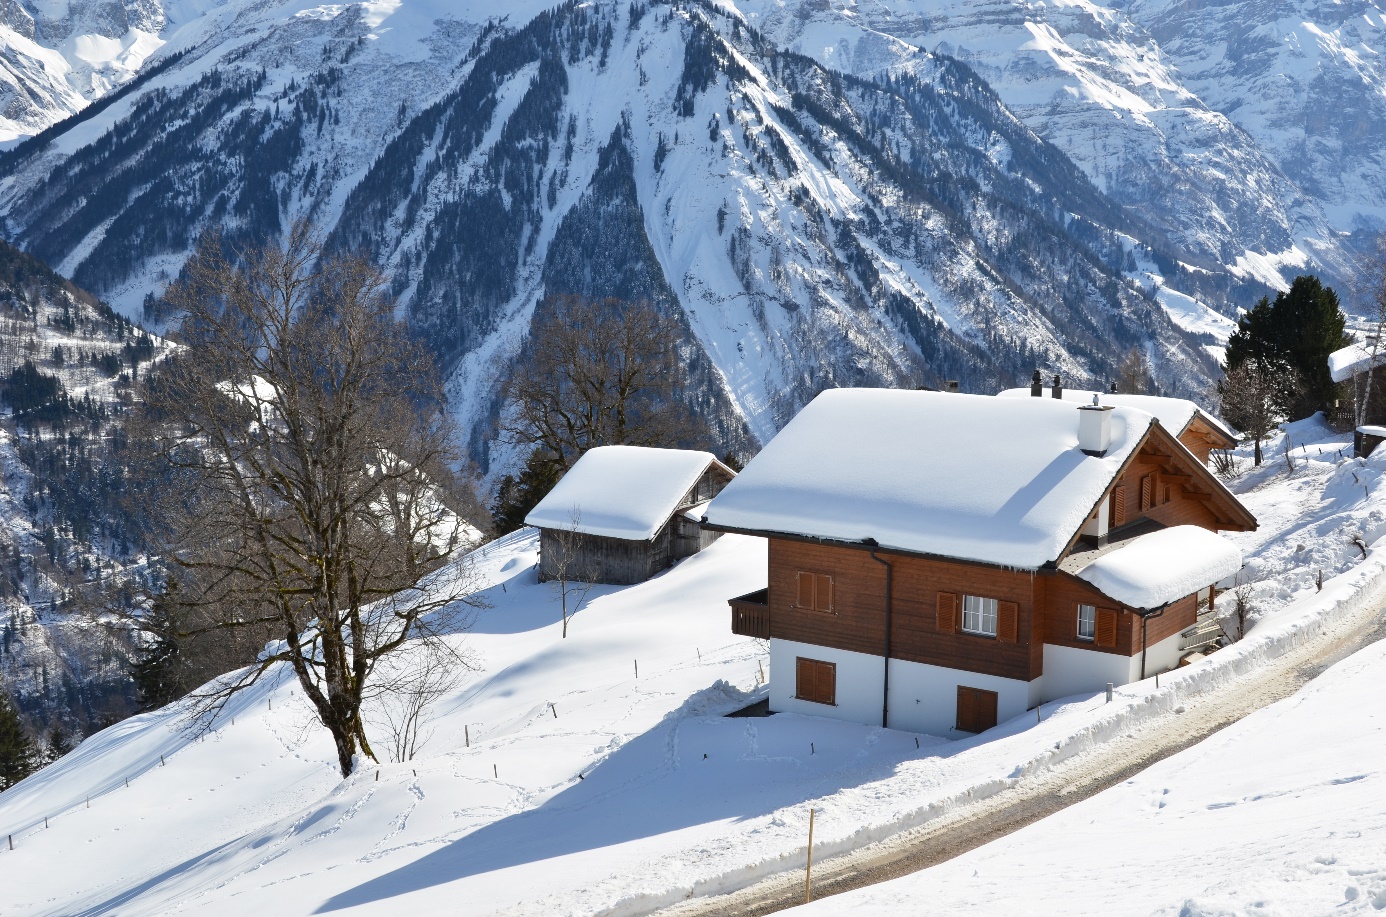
[[1282, 813], [632, 791]]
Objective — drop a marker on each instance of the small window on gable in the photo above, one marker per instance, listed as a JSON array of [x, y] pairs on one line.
[[1147, 492], [1087, 622], [815, 591], [979, 615]]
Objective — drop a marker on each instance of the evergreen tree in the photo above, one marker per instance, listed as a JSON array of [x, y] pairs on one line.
[[18, 755], [517, 496], [1299, 329]]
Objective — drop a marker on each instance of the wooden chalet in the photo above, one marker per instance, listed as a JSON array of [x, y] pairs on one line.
[[624, 513], [941, 561], [1198, 430]]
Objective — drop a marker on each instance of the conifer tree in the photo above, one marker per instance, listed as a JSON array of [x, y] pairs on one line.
[[18, 755]]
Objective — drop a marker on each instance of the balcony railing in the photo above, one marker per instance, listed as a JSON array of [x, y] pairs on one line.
[[751, 615]]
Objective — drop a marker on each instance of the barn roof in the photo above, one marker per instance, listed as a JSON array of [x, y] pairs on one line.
[[621, 491], [996, 480], [1175, 414]]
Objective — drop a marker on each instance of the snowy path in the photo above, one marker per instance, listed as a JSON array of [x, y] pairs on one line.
[[1040, 795]]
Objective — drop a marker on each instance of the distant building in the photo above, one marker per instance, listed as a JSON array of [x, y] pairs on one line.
[[1198, 430], [941, 561], [624, 513]]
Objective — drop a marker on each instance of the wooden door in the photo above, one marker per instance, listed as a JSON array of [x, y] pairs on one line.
[[976, 709]]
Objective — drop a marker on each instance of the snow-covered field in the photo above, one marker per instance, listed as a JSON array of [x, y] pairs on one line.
[[628, 793]]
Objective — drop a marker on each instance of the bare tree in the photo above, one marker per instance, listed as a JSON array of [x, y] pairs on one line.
[[1134, 376], [1242, 609], [302, 470], [417, 680], [571, 574], [1255, 398], [598, 373]]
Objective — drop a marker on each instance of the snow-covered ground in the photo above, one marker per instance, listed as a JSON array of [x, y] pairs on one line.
[[1282, 813], [628, 793]]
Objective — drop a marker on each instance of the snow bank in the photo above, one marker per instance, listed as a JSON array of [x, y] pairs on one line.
[[621, 491], [996, 480], [1157, 568]]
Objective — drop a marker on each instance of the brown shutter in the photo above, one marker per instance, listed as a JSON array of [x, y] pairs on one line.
[[1106, 630], [805, 599], [967, 709], [1007, 621], [1119, 505], [823, 593], [986, 710], [827, 683], [805, 685], [947, 613], [1147, 492]]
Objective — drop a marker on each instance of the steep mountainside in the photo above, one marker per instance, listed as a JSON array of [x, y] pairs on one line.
[[810, 229], [66, 367]]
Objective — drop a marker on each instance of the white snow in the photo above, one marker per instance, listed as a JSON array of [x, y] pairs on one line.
[[255, 820], [1159, 567], [996, 480], [1174, 414], [621, 491], [1282, 813], [1353, 359]]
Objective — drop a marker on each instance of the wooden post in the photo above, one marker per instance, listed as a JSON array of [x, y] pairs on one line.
[[45, 821], [467, 735], [554, 709], [700, 653], [11, 841], [377, 775], [1038, 719], [127, 783], [161, 760], [495, 772], [1109, 692], [761, 670], [808, 870], [637, 668]]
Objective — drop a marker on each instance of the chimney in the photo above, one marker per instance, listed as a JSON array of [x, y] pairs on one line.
[[1037, 385], [952, 386], [1094, 428], [1058, 390], [1113, 391]]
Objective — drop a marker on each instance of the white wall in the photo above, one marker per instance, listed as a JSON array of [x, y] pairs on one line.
[[1070, 670], [923, 698], [859, 682]]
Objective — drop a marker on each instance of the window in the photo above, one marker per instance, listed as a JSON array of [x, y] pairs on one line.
[[815, 680], [1087, 622], [976, 709], [979, 615], [815, 592]]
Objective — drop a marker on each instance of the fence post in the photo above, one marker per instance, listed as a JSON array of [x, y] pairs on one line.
[[808, 870], [1109, 692]]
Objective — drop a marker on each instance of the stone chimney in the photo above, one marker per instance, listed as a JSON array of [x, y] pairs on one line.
[[1095, 428], [1037, 385], [1058, 390]]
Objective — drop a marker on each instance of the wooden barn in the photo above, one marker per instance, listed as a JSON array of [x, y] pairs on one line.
[[943, 562], [623, 513]]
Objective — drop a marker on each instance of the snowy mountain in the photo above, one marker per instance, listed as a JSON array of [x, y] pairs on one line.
[[66, 362], [809, 229]]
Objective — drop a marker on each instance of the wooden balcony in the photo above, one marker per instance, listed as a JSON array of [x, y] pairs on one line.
[[751, 615]]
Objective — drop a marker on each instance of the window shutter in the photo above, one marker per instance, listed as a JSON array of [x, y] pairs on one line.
[[827, 683], [1147, 492], [947, 612], [823, 593], [805, 678], [1007, 621], [1106, 627], [805, 590], [1119, 505]]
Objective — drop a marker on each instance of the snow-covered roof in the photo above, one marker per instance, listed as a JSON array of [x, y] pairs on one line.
[[995, 480], [1174, 414], [1353, 359], [1158, 568], [621, 491]]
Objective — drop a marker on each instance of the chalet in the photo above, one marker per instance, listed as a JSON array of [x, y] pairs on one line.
[[623, 513], [941, 561], [1199, 431]]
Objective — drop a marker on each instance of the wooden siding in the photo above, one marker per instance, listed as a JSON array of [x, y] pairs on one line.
[[857, 622]]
